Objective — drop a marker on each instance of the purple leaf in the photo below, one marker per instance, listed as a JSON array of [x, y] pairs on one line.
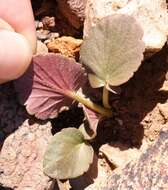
[[92, 118], [48, 85]]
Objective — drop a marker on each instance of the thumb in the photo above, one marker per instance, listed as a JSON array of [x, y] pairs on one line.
[[15, 55]]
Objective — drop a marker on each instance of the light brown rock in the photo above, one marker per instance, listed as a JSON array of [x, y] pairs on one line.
[[119, 154], [65, 45], [152, 16], [41, 48], [21, 158]]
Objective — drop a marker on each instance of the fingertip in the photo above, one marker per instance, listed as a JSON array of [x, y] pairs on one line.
[[19, 15], [15, 55]]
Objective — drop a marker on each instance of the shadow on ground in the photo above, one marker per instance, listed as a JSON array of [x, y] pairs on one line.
[[12, 114], [138, 98]]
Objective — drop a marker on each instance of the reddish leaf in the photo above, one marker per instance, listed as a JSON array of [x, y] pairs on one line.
[[47, 86], [92, 118]]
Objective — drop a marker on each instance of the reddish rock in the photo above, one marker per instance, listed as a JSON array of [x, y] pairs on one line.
[[21, 158], [48, 22], [119, 154], [73, 11], [149, 172]]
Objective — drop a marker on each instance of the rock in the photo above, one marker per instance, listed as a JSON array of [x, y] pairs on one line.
[[22, 155], [73, 11], [119, 154], [48, 23], [152, 15], [43, 34], [150, 171], [54, 35], [163, 110], [38, 24], [41, 48], [164, 87], [65, 45]]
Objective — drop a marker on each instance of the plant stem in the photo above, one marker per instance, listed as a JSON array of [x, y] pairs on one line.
[[106, 98], [88, 103]]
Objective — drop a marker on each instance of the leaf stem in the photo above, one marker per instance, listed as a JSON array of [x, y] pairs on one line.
[[103, 111], [106, 98]]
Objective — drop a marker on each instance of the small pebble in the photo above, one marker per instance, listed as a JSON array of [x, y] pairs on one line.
[[54, 35], [41, 48], [43, 34], [47, 41], [40, 25], [48, 22], [120, 122]]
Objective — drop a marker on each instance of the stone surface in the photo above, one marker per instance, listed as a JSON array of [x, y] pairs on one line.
[[41, 48], [73, 11], [65, 45], [97, 174], [119, 154], [48, 23], [43, 34], [20, 171], [152, 16], [22, 155], [149, 172], [163, 110]]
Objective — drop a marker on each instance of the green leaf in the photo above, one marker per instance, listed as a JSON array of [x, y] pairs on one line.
[[67, 155], [113, 50]]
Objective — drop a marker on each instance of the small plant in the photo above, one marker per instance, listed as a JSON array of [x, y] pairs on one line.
[[113, 51]]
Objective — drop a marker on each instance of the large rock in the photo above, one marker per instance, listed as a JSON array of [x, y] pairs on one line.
[[21, 158], [149, 172], [152, 15], [21, 153]]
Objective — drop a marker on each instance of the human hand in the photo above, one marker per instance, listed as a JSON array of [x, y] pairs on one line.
[[17, 38]]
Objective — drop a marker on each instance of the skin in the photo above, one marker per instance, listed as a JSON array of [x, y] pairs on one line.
[[17, 38]]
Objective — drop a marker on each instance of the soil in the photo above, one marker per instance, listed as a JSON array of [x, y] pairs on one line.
[[141, 110]]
